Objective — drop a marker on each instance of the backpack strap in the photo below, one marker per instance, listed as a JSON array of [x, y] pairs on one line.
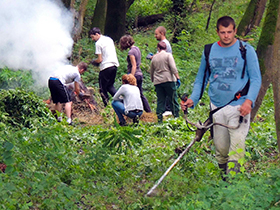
[[207, 49], [243, 51]]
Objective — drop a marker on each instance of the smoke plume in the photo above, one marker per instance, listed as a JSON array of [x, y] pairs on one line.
[[35, 35]]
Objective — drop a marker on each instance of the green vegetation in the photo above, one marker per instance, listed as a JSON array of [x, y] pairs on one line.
[[52, 165]]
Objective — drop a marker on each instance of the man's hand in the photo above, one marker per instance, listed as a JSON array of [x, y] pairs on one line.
[[245, 108], [186, 104], [93, 62], [83, 96]]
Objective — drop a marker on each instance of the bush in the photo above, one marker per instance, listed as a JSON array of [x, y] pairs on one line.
[[22, 109]]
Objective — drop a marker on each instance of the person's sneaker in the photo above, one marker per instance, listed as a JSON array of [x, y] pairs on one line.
[[136, 119], [167, 113], [69, 121], [59, 119]]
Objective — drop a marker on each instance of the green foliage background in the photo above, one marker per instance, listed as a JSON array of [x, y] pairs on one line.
[[52, 165]]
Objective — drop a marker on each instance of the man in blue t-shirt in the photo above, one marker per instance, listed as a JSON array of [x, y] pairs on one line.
[[226, 67]]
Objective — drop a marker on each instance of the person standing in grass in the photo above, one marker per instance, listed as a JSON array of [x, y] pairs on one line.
[[107, 61], [133, 65], [164, 75], [127, 100], [160, 35], [229, 75], [59, 93]]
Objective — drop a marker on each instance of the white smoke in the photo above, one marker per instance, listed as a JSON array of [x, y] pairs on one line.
[[35, 35]]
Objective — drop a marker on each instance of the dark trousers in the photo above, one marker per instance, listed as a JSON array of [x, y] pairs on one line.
[[167, 90], [145, 102], [106, 83]]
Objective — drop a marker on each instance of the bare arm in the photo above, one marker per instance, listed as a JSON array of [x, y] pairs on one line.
[[133, 64], [177, 76], [99, 58], [77, 87]]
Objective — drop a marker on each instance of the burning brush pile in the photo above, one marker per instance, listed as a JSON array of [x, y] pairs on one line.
[[86, 109]]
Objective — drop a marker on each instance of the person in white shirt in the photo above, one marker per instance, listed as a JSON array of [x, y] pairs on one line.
[[107, 61], [127, 100], [59, 93]]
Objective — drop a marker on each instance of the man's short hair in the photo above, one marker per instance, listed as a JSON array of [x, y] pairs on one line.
[[162, 30], [225, 21], [161, 45], [94, 31], [82, 65]]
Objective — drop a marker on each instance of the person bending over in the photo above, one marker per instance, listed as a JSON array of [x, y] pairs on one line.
[[127, 100], [59, 93]]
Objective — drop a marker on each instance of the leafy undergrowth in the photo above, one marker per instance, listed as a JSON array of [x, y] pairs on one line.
[[57, 166], [96, 164]]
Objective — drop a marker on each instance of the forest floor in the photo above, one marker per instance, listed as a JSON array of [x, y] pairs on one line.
[[88, 116]]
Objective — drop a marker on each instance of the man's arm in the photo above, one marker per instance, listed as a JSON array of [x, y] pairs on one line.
[[98, 59], [255, 81], [254, 74], [77, 87]]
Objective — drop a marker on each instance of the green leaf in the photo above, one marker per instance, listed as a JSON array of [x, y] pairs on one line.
[[231, 165], [239, 150], [8, 146], [231, 153]]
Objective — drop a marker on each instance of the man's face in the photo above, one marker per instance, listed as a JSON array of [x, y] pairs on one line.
[[227, 35], [81, 71], [94, 37], [158, 35]]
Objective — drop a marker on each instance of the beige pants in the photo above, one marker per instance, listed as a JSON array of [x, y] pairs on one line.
[[227, 140]]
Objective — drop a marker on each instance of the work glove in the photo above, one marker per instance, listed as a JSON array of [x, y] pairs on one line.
[[178, 83], [93, 62], [81, 95]]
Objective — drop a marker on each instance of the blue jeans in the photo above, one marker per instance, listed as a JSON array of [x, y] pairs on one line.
[[118, 106]]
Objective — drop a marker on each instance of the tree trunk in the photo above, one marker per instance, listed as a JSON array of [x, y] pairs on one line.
[[276, 75], [115, 19], [252, 17], [80, 20], [144, 21], [209, 16], [100, 13], [66, 3], [264, 51]]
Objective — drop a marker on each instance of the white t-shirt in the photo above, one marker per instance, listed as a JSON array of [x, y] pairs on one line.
[[67, 74], [131, 97], [105, 46], [168, 46]]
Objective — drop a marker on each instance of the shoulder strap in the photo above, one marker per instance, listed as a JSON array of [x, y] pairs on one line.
[[243, 54], [207, 49]]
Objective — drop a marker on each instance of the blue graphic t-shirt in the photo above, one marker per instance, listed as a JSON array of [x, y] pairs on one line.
[[226, 64]]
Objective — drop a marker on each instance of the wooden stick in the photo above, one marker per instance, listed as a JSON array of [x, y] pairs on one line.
[[170, 168]]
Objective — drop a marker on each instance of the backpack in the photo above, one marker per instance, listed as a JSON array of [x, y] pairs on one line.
[[244, 91]]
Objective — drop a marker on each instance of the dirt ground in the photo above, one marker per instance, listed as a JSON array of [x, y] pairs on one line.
[[94, 114]]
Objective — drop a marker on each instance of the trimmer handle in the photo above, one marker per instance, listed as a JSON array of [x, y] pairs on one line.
[[184, 98]]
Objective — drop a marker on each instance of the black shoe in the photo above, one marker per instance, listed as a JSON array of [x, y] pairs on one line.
[[123, 123], [223, 168], [136, 119], [236, 167]]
